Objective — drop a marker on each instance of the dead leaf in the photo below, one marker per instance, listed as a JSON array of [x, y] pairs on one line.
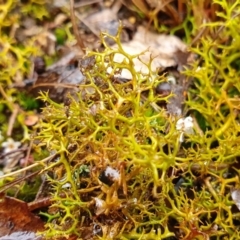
[[17, 221], [21, 235], [65, 59], [58, 82], [59, 19], [236, 197], [104, 21], [175, 103], [154, 3], [159, 47], [142, 6], [31, 31], [60, 3], [47, 41]]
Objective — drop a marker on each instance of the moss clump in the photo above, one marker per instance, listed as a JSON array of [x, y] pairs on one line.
[[122, 172], [15, 60]]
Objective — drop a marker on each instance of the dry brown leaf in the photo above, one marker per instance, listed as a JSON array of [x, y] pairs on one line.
[[59, 19], [59, 82], [141, 5], [47, 41], [154, 3], [99, 21], [17, 221], [31, 31]]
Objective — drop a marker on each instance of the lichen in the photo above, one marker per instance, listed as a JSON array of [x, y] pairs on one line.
[[158, 187], [166, 188]]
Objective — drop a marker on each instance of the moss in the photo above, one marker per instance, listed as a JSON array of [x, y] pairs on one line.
[[15, 59]]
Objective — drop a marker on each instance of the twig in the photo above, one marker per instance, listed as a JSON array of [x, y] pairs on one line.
[[11, 184], [96, 33], [75, 28], [12, 119], [86, 3], [28, 153], [29, 167], [198, 36], [116, 6], [40, 203], [65, 85], [24, 165], [4, 94], [13, 151], [40, 190]]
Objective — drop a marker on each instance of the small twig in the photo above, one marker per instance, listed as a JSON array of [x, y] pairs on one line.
[[116, 6], [40, 190], [40, 203], [65, 85], [13, 151], [75, 28], [96, 33], [224, 26], [198, 36], [160, 7], [43, 202], [12, 119], [28, 167], [28, 153], [47, 201], [86, 3], [11, 184], [24, 165], [4, 94]]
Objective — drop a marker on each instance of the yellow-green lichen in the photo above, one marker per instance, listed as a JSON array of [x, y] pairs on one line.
[[163, 189]]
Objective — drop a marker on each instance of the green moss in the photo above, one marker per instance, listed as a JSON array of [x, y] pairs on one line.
[[60, 35], [15, 59], [27, 102], [36, 8]]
